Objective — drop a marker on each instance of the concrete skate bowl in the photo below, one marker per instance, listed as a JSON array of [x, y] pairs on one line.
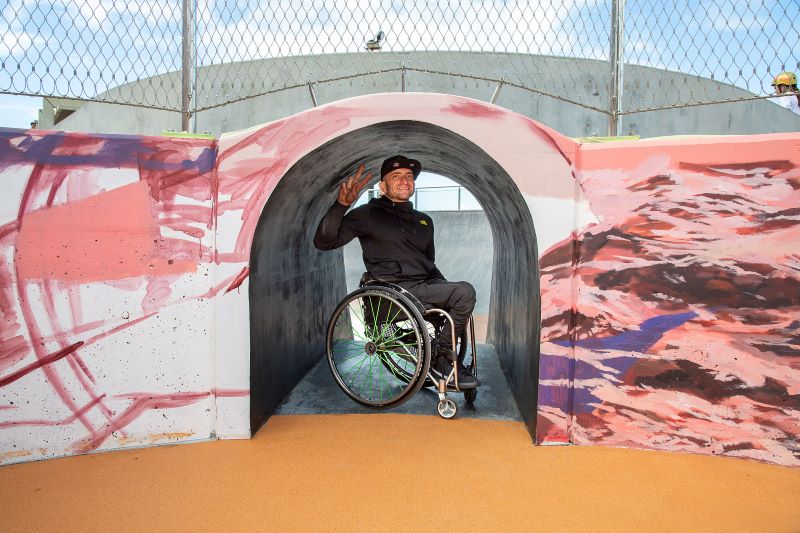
[[294, 287]]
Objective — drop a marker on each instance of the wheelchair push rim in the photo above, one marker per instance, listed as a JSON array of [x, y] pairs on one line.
[[376, 348]]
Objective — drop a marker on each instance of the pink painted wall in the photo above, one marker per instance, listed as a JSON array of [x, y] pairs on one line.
[[124, 281], [107, 269], [688, 301]]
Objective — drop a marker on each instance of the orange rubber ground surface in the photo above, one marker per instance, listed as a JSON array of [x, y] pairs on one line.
[[390, 472]]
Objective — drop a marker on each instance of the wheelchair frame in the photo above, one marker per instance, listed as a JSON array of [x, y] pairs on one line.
[[398, 334]]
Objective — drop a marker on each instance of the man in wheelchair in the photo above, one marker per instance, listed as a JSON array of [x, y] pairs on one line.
[[397, 244]]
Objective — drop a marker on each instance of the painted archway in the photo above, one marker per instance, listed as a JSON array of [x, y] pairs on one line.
[[667, 269], [286, 268]]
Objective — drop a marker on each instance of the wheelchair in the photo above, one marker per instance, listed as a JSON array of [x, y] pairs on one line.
[[379, 342]]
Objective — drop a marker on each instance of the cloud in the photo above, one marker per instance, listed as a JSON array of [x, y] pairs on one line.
[[15, 43], [97, 44], [18, 111], [314, 27]]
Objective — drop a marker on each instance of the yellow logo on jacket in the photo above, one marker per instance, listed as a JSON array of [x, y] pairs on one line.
[[423, 222]]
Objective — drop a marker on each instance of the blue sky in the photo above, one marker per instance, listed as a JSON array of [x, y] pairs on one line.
[[45, 43], [18, 111]]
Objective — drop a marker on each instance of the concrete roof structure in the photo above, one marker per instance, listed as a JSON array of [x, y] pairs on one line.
[[565, 94]]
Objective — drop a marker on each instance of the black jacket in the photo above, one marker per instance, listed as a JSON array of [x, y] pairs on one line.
[[397, 241]]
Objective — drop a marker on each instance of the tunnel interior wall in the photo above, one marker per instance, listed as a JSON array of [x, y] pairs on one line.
[[302, 277], [292, 293]]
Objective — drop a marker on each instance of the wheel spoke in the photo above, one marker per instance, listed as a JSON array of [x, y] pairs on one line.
[[356, 370], [369, 374], [374, 348]]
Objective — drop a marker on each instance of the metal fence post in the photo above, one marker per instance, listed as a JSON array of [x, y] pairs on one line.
[[616, 61], [312, 93], [496, 92], [187, 62]]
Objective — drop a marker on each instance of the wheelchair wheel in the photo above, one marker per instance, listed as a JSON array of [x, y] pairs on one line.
[[447, 408], [376, 348], [470, 395], [401, 361]]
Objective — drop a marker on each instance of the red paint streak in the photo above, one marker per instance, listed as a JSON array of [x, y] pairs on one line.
[[740, 170], [32, 189], [8, 229], [232, 257], [126, 325], [475, 110], [71, 242], [214, 222], [216, 289], [230, 393], [735, 150], [64, 422], [135, 410], [157, 293], [218, 393], [49, 287], [73, 293], [42, 362], [239, 279], [250, 140], [12, 350], [143, 402], [552, 139], [57, 180], [104, 237], [165, 187], [181, 217], [13, 346], [84, 144], [77, 364], [177, 250], [268, 177], [28, 204], [250, 169]]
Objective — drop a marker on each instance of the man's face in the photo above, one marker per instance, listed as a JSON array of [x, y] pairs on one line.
[[398, 185], [781, 88]]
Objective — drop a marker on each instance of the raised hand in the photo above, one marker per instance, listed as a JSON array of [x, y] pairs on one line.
[[350, 189]]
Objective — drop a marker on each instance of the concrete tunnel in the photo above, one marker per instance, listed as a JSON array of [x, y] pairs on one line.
[[294, 287]]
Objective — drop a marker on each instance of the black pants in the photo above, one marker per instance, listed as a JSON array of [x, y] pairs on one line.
[[455, 297]]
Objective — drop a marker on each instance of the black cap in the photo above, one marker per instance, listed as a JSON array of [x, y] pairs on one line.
[[401, 161]]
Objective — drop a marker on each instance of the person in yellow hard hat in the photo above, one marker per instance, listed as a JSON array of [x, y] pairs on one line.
[[785, 85]]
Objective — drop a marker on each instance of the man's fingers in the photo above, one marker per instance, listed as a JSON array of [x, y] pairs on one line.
[[364, 181], [350, 187], [358, 172]]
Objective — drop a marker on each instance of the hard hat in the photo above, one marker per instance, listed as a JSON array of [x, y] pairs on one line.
[[785, 78]]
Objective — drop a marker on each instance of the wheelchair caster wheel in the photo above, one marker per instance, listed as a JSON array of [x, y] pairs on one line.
[[447, 408], [470, 395]]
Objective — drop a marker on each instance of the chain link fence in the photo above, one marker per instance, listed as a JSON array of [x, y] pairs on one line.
[[613, 56]]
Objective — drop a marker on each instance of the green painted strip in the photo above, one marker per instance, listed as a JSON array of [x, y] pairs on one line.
[[187, 135]]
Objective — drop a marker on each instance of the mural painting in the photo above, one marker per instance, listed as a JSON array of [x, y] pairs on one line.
[[687, 324], [669, 281]]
